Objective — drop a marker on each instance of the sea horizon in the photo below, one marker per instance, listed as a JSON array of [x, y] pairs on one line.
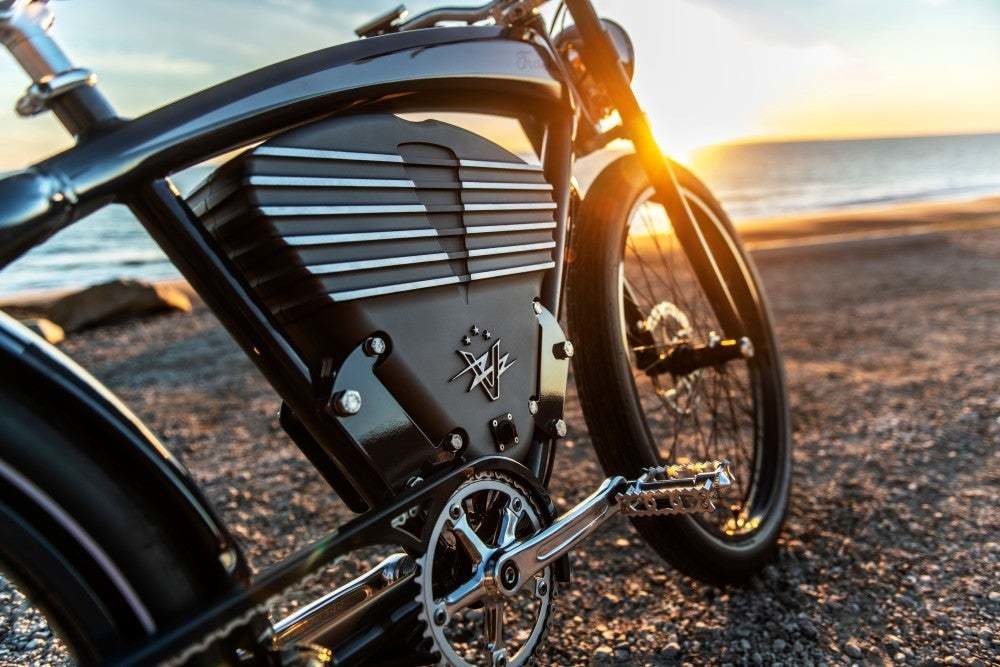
[[753, 179]]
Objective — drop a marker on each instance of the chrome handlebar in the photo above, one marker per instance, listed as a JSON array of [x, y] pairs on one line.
[[496, 10]]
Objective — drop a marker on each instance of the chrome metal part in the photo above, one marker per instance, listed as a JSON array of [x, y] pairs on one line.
[[677, 489], [563, 350], [38, 96], [24, 31], [350, 295], [486, 369], [347, 402], [456, 442], [460, 532], [324, 615], [375, 346], [559, 426]]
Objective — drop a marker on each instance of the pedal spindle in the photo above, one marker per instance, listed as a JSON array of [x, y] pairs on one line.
[[676, 489]]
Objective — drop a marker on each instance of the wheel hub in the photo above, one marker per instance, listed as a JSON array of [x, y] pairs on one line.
[[670, 327]]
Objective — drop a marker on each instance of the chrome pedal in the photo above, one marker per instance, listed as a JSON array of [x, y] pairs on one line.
[[676, 489]]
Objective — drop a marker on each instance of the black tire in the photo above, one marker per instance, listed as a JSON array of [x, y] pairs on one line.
[[619, 412], [86, 545]]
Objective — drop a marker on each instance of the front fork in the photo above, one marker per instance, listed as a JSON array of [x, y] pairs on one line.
[[601, 58]]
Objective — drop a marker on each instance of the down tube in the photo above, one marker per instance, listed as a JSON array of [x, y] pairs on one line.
[[172, 224]]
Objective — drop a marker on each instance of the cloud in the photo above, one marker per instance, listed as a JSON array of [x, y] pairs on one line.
[[154, 64]]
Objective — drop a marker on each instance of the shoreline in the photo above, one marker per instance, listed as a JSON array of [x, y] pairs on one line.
[[759, 234]]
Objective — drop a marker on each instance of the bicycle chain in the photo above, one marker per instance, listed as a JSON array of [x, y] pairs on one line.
[[210, 639]]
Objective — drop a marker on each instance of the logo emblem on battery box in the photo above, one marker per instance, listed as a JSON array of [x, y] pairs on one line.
[[486, 368]]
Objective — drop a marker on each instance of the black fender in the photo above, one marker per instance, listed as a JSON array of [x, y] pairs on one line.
[[58, 386]]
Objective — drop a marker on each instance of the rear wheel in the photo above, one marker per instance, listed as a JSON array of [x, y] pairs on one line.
[[634, 297], [83, 553]]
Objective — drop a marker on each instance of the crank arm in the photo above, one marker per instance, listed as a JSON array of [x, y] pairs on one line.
[[678, 489], [522, 561]]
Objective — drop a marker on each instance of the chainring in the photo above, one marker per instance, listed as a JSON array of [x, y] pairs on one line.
[[468, 621]]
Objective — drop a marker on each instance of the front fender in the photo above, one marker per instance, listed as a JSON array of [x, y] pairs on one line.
[[64, 391]]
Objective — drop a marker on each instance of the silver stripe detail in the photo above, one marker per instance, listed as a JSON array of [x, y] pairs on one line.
[[389, 235], [490, 164], [317, 181], [489, 185], [63, 518], [364, 209], [321, 154], [520, 206], [385, 262], [311, 181], [367, 292]]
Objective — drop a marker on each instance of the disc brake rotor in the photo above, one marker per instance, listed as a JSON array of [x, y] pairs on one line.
[[670, 326], [468, 620]]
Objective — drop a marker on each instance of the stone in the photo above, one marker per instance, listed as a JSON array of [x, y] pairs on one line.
[[852, 649], [671, 650], [603, 651], [115, 301], [51, 332]]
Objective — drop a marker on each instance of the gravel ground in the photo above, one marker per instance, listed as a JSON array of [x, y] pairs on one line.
[[891, 552]]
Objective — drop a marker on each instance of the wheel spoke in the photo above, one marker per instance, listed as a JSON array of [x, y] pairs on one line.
[[713, 412]]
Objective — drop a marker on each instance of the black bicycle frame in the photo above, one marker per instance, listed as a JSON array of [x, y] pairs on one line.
[[501, 71], [484, 69]]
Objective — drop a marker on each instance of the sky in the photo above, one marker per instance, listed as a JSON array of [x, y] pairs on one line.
[[708, 71]]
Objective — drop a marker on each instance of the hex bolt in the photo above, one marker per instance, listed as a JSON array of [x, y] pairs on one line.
[[455, 442], [559, 426], [541, 588], [516, 505], [440, 616], [347, 402], [375, 346], [533, 406], [455, 512], [508, 576], [563, 350]]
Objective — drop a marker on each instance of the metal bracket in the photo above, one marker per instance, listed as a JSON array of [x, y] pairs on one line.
[[376, 422], [553, 372], [39, 96]]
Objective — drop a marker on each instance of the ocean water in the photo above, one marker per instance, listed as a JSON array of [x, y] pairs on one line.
[[751, 180]]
